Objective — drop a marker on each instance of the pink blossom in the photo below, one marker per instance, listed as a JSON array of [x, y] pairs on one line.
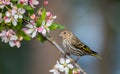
[[33, 17], [31, 29], [46, 2], [40, 29], [13, 15], [15, 43], [44, 28], [4, 2], [9, 36], [39, 12], [76, 71], [33, 2], [48, 14], [24, 2]]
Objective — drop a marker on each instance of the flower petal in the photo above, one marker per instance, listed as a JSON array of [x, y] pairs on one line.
[[29, 26], [20, 16], [17, 43], [2, 6], [13, 37], [49, 23], [44, 32], [16, 16], [62, 60], [54, 71], [21, 10], [14, 22], [11, 43], [34, 34], [8, 14], [14, 11], [61, 68], [29, 31], [54, 17], [7, 20], [43, 22], [35, 2], [67, 61], [66, 70], [5, 39], [70, 66]]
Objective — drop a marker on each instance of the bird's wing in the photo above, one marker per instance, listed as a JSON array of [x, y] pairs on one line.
[[79, 45]]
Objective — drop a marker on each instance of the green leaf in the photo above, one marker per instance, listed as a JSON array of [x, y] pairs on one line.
[[18, 26], [1, 27], [43, 16], [25, 36], [41, 38], [30, 12], [28, 7], [40, 19], [55, 26], [39, 22], [27, 18], [14, 0], [19, 5]]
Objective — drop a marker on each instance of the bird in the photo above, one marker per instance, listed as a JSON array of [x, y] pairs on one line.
[[72, 45]]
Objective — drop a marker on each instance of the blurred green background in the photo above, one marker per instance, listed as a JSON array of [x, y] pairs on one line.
[[95, 22]]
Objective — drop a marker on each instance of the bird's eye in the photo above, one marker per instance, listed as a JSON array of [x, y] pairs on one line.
[[64, 32]]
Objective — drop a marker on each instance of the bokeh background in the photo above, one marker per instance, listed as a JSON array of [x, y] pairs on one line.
[[95, 22]]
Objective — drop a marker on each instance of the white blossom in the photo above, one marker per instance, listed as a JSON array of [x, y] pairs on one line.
[[55, 69], [44, 29], [24, 2], [13, 15], [21, 11], [11, 37], [31, 29], [63, 65], [4, 2]]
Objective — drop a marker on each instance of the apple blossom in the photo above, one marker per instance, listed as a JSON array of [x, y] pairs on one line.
[[63, 65], [31, 29], [4, 2], [24, 2], [13, 15], [33, 2], [44, 29], [11, 37]]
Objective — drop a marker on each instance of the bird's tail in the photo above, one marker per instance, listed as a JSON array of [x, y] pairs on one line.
[[97, 56]]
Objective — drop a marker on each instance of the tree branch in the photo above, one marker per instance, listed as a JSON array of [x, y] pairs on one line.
[[54, 43]]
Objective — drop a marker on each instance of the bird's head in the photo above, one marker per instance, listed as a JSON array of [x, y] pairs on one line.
[[66, 34]]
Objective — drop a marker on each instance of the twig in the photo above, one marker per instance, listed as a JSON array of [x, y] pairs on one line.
[[54, 43]]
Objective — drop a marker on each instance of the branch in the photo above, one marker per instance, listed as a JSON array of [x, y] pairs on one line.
[[54, 43]]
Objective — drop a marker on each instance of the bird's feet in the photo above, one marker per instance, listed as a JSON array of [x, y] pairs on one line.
[[77, 60]]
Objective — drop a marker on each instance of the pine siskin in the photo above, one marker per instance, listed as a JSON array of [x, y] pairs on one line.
[[74, 46]]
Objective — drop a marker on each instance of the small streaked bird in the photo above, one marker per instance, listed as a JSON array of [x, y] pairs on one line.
[[74, 46]]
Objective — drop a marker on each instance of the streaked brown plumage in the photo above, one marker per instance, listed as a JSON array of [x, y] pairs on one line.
[[74, 46]]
